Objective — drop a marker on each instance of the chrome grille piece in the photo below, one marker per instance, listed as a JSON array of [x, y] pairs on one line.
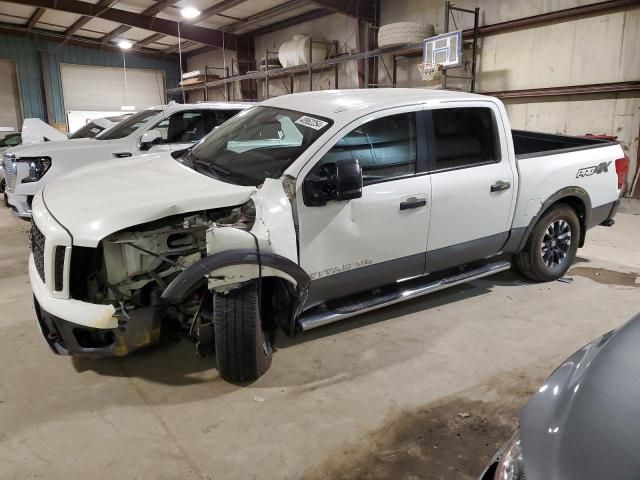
[[37, 248], [9, 166]]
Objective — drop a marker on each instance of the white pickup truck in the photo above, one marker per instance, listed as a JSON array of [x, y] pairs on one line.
[[28, 168], [305, 210]]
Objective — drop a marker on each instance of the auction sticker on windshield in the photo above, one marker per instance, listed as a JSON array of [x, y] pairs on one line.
[[311, 123]]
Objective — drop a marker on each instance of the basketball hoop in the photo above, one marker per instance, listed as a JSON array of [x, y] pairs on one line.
[[429, 70]]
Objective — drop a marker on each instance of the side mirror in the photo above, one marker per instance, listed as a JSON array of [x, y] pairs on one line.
[[149, 139], [348, 180], [341, 180]]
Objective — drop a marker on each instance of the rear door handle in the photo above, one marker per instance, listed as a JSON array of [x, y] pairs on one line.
[[413, 202], [122, 155], [500, 186]]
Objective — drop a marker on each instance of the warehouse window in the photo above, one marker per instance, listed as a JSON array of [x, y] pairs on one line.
[[385, 148], [464, 137]]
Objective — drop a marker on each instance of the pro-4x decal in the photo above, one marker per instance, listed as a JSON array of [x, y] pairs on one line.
[[602, 167]]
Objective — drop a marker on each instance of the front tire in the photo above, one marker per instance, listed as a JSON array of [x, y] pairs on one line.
[[552, 245], [243, 348]]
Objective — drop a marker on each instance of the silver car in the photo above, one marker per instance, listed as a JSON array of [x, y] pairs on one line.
[[584, 422]]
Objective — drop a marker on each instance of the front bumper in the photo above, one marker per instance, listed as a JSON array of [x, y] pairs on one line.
[[66, 338], [72, 327]]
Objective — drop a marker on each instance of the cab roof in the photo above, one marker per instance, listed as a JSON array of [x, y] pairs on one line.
[[357, 102], [175, 107]]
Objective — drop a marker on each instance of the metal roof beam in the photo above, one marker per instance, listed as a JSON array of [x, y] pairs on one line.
[[362, 9], [35, 18], [289, 22], [266, 15], [115, 33], [194, 33], [150, 12], [175, 48], [216, 9], [82, 21], [150, 39], [59, 37]]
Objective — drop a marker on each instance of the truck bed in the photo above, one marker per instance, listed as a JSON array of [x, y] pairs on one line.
[[536, 144]]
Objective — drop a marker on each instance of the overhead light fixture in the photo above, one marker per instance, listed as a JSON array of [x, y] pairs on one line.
[[127, 108], [189, 12], [125, 44]]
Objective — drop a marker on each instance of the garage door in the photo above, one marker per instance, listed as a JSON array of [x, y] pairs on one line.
[[103, 89], [10, 113]]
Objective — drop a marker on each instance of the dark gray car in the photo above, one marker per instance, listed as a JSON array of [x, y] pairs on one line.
[[584, 422]]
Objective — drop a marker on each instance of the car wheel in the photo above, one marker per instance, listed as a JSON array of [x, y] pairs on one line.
[[243, 346], [552, 245]]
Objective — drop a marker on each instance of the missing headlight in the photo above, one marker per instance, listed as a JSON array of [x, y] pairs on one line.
[[242, 217]]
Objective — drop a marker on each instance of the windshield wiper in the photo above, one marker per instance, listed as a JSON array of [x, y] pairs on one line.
[[216, 170]]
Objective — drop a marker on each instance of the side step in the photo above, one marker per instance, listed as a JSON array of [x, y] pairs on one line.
[[314, 318]]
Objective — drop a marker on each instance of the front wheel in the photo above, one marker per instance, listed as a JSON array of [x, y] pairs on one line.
[[243, 348], [552, 245]]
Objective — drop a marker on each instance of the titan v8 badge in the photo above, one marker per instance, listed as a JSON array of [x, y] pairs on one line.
[[339, 269], [602, 167]]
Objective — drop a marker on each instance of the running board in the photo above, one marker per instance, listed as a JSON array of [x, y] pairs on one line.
[[314, 319]]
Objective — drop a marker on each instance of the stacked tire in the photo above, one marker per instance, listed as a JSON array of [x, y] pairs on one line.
[[403, 33]]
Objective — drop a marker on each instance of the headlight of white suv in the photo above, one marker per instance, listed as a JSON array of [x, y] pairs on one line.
[[38, 166], [511, 463]]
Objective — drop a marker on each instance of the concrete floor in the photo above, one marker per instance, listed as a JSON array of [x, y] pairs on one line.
[[165, 414]]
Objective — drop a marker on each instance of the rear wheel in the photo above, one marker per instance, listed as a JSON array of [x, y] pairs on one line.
[[243, 347], [552, 245]]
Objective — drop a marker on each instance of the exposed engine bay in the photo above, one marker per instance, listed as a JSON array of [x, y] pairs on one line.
[[130, 269]]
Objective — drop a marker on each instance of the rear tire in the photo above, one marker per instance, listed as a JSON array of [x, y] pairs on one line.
[[243, 348], [552, 245]]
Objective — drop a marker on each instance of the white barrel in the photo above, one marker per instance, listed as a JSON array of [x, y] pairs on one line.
[[296, 51]]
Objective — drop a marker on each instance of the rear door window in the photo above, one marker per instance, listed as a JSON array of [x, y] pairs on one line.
[[463, 137], [183, 127], [224, 115]]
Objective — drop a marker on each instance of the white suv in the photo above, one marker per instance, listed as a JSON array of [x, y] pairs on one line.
[[28, 168]]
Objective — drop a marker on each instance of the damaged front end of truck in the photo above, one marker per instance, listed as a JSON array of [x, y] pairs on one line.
[[165, 273]]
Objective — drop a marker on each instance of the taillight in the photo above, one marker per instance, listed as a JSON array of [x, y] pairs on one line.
[[622, 166]]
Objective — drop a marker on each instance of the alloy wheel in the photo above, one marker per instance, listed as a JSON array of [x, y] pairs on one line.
[[556, 243]]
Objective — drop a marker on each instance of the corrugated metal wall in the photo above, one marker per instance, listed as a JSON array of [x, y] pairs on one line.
[[24, 52], [36, 57]]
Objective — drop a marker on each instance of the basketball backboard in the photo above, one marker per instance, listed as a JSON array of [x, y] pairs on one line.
[[444, 50]]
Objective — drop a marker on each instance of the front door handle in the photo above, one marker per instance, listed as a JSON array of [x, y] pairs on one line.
[[500, 186], [122, 154], [413, 202]]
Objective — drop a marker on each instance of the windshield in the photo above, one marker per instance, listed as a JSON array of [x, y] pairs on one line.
[[89, 130], [256, 144], [128, 126]]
